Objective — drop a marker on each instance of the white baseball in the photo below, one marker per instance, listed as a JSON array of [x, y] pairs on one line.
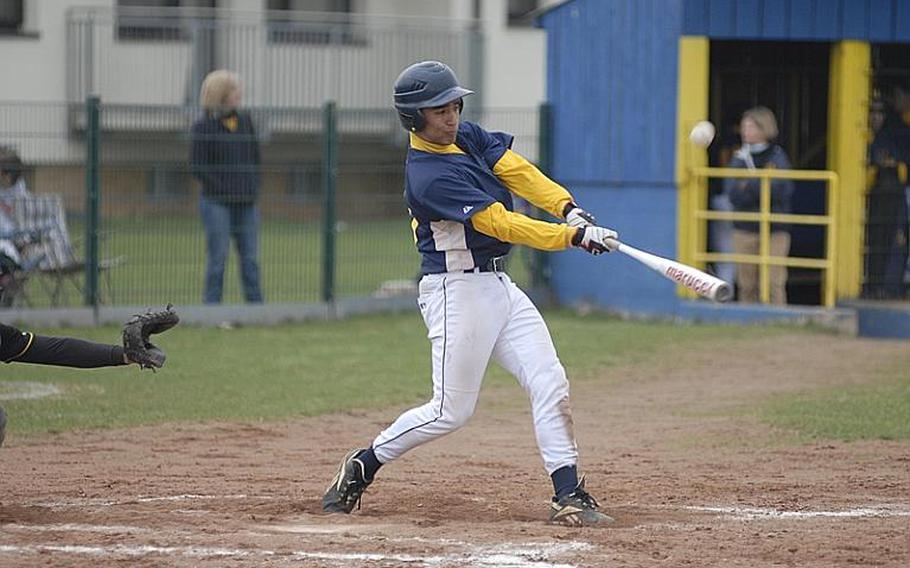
[[702, 134]]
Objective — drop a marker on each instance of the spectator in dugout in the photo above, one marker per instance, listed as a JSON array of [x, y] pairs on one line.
[[887, 218], [758, 129]]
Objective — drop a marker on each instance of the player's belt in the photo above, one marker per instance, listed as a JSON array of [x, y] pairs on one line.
[[495, 264]]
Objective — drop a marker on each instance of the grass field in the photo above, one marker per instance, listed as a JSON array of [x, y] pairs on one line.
[[164, 260], [877, 411], [295, 370]]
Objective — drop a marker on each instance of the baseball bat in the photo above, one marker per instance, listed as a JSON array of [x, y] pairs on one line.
[[692, 278]]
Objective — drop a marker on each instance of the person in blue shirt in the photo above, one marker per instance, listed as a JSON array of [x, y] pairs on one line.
[[225, 159], [758, 129], [459, 182]]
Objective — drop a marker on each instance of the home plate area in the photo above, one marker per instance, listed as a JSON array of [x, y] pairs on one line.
[[690, 480], [198, 530]]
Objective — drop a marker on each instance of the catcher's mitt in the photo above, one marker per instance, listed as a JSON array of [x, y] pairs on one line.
[[136, 334]]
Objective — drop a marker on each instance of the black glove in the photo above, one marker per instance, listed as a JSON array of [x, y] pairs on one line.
[[136, 334]]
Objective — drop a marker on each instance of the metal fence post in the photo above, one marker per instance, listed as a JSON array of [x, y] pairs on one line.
[[540, 266], [329, 181], [92, 194]]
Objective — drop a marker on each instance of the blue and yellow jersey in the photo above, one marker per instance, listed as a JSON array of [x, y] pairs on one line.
[[460, 200]]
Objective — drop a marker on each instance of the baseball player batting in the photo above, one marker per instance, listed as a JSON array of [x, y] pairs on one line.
[[459, 181]]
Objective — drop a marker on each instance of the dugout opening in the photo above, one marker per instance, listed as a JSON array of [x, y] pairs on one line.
[[886, 251], [791, 79]]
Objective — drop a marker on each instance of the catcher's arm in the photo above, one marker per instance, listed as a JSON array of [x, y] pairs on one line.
[[137, 348], [26, 347]]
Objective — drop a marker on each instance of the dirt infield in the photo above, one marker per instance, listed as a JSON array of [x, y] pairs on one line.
[[690, 481]]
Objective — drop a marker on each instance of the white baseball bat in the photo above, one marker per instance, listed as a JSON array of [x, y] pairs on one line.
[[692, 278]]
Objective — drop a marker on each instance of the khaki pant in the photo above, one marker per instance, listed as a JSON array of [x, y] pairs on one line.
[[747, 284]]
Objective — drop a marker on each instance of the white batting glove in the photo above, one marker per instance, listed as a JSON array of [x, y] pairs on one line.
[[596, 240], [578, 217]]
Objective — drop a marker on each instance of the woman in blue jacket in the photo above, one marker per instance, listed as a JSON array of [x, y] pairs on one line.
[[225, 159], [758, 129]]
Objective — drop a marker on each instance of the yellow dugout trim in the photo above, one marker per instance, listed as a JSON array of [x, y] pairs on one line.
[[765, 217], [692, 106], [848, 108]]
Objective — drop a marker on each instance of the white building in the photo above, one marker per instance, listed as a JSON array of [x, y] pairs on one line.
[[145, 60]]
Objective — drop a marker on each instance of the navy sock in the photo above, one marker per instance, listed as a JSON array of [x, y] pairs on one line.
[[565, 480], [370, 463]]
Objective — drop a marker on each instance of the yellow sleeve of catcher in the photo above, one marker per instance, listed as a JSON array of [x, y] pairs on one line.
[[525, 180], [498, 222]]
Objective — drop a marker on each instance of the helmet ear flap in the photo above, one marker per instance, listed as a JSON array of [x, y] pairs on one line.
[[418, 122], [412, 121]]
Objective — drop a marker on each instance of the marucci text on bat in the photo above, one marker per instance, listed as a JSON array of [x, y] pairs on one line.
[[688, 280]]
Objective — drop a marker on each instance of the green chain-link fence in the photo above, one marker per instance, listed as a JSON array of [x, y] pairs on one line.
[[151, 245]]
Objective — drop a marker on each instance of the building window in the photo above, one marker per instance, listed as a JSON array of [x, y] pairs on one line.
[[154, 19], [323, 22], [521, 12], [11, 16], [321, 6]]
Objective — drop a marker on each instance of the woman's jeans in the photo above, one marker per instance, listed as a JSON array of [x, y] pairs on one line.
[[223, 221]]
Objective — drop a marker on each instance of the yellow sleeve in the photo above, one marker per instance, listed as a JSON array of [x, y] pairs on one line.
[[525, 180], [497, 222]]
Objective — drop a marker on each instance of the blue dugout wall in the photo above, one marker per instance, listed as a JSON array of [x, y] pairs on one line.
[[613, 85], [611, 80], [879, 21]]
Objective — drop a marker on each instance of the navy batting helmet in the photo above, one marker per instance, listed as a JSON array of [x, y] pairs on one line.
[[425, 85]]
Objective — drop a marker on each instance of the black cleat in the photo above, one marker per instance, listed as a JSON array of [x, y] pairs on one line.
[[577, 509], [347, 486]]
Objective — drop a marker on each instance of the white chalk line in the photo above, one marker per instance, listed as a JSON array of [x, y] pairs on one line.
[[27, 390], [295, 528], [75, 527], [129, 550], [739, 513], [510, 555], [145, 499], [759, 513], [192, 496]]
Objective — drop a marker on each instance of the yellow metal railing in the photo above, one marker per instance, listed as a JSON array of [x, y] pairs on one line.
[[765, 217]]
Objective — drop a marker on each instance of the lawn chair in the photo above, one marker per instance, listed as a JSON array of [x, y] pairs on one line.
[[53, 254], [15, 271]]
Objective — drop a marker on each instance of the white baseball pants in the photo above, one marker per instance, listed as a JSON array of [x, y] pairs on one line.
[[471, 317]]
